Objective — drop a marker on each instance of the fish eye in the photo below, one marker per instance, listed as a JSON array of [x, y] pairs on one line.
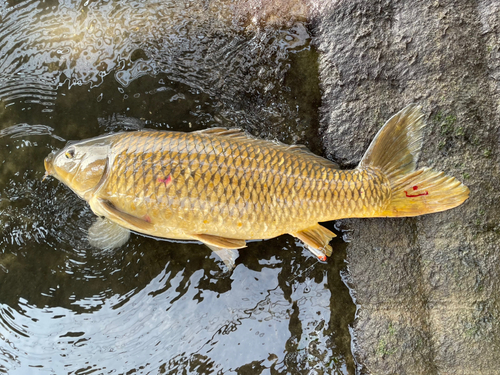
[[70, 153]]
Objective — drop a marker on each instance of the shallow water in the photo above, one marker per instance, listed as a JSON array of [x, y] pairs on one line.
[[71, 70]]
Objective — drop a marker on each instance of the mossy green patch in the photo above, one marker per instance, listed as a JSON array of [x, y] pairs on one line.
[[383, 348], [446, 122]]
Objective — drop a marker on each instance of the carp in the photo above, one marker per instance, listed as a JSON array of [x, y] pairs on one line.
[[223, 187]]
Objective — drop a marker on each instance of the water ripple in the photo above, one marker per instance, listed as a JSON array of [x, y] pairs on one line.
[[143, 329], [43, 47], [22, 130]]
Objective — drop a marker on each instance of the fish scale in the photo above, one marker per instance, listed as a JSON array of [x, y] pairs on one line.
[[223, 187], [256, 192]]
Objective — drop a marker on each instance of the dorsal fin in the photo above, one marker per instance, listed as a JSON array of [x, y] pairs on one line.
[[225, 132], [240, 134], [308, 154]]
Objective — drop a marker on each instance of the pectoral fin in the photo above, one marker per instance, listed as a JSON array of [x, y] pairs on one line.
[[106, 235], [317, 239], [221, 242], [106, 208]]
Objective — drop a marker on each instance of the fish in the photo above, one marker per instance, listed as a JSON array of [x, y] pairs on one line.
[[224, 187]]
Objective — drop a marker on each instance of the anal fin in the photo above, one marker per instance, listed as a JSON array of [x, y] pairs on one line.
[[317, 239]]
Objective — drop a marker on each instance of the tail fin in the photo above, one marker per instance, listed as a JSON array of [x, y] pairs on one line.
[[395, 151]]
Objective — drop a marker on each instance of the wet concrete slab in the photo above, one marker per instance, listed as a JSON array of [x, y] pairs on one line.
[[426, 287]]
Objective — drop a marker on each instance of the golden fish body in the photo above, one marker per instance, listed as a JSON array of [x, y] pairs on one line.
[[231, 186], [223, 187]]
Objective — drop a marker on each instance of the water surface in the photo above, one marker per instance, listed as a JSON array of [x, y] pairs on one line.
[[75, 69]]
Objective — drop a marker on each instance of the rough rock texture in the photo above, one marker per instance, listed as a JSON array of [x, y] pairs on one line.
[[426, 287]]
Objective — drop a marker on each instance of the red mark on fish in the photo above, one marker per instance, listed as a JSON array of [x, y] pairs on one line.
[[416, 195], [167, 180], [147, 218]]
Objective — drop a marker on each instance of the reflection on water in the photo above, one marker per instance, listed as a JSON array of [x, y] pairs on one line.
[[71, 70], [187, 43], [183, 317]]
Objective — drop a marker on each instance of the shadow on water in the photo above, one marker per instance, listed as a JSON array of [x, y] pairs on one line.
[[71, 71]]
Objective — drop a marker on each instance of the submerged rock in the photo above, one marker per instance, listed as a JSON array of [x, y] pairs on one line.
[[426, 287]]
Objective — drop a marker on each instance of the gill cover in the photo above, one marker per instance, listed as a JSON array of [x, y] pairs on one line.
[[81, 165]]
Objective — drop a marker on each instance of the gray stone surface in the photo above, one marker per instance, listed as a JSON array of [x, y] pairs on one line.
[[426, 287]]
